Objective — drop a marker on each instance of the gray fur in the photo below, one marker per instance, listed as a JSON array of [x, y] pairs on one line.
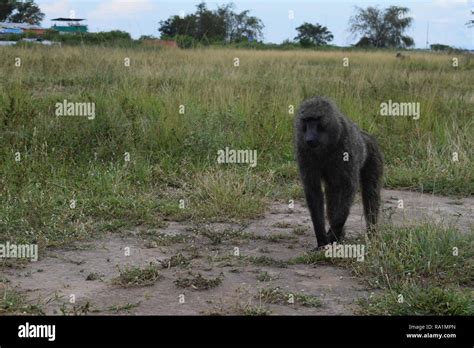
[[320, 123]]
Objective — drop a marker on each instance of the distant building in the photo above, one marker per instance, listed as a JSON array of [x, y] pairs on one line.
[[8, 43], [41, 42], [160, 43], [69, 25], [7, 28]]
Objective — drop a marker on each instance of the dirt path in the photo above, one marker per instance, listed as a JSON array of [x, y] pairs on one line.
[[282, 234]]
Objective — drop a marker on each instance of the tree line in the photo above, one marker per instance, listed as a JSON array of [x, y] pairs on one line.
[[378, 28], [222, 25], [374, 27]]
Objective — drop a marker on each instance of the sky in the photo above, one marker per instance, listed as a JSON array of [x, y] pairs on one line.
[[441, 21]]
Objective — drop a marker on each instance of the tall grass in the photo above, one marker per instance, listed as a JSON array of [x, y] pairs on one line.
[[173, 155], [423, 270]]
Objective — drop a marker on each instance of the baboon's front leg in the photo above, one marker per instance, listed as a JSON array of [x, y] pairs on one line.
[[339, 200], [315, 201]]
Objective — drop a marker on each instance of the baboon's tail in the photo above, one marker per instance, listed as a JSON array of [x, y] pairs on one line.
[[371, 181]]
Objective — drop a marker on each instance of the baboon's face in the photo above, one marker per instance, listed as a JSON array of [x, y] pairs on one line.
[[318, 123], [315, 132]]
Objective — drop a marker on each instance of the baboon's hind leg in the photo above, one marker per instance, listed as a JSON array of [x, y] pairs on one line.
[[371, 183]]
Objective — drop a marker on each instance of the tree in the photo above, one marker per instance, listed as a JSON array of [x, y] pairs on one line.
[[209, 25], [440, 47], [221, 25], [241, 26], [470, 23], [26, 12], [176, 25], [20, 12], [382, 28], [313, 34], [6, 8]]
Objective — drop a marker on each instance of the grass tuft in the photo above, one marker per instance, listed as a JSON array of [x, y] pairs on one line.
[[136, 276]]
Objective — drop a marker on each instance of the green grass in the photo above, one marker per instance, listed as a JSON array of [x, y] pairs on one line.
[[198, 282], [421, 301], [118, 308], [421, 255], [422, 270], [218, 237], [14, 303], [178, 260], [251, 310], [263, 260], [264, 276], [156, 238], [136, 276], [173, 155], [277, 296], [300, 230], [311, 258]]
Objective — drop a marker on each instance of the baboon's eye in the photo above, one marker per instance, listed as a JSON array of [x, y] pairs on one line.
[[321, 128]]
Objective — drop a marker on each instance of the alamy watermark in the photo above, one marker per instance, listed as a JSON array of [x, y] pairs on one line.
[[345, 251], [37, 331], [75, 109], [391, 108], [19, 251], [237, 156]]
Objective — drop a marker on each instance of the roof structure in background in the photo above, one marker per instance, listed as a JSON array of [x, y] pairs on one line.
[[7, 31], [24, 26], [69, 25], [62, 19]]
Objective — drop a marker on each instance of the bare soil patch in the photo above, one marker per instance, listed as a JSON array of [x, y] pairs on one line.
[[199, 272]]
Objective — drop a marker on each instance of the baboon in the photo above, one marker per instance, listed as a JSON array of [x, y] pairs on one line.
[[331, 149]]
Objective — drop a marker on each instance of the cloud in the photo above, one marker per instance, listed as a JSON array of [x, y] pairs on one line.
[[64, 8], [58, 8], [121, 9], [450, 3], [132, 16]]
